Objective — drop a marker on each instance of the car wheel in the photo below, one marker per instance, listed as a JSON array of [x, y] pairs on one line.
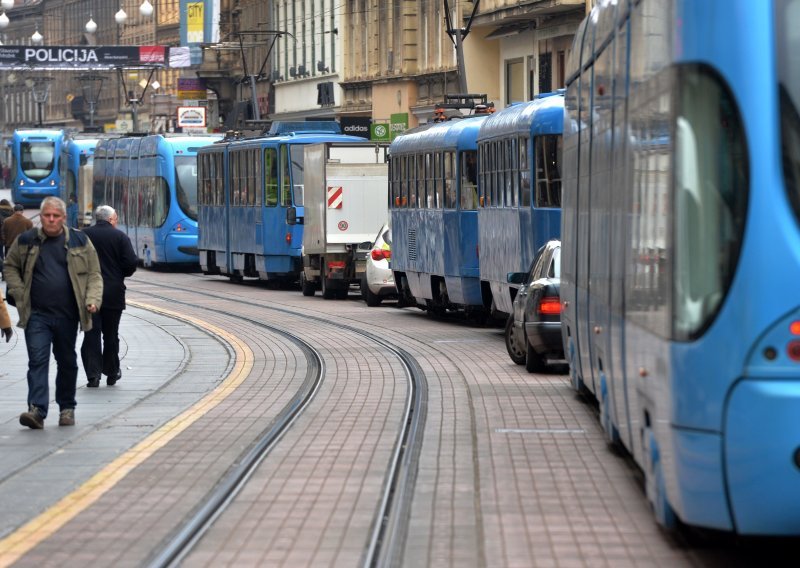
[[371, 299], [534, 363], [308, 287], [513, 342]]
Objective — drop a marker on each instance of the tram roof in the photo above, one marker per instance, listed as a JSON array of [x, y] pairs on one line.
[[458, 134], [543, 115]]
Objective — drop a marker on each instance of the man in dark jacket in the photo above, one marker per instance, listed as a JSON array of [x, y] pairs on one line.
[[117, 260]]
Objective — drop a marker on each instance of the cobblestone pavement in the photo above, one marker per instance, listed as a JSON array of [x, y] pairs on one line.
[[514, 469]]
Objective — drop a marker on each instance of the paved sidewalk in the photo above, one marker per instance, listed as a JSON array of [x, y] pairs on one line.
[[168, 361]]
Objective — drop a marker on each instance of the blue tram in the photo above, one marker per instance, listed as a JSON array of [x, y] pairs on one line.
[[433, 189], [34, 165], [519, 157], [680, 258], [77, 160], [251, 201], [151, 181]]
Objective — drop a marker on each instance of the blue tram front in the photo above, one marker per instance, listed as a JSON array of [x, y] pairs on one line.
[[152, 183], [35, 172]]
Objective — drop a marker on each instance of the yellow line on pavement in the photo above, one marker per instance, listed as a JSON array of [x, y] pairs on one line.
[[40, 528]]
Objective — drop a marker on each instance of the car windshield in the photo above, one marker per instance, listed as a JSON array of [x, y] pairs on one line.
[[387, 237], [37, 159], [186, 184]]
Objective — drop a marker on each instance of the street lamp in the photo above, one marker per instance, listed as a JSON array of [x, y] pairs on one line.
[[91, 25], [37, 38], [40, 90], [4, 21], [120, 17], [91, 85], [146, 9]]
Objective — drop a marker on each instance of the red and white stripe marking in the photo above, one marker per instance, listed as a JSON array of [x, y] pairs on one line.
[[335, 197]]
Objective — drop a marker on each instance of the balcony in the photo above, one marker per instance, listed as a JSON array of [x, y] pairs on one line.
[[501, 12]]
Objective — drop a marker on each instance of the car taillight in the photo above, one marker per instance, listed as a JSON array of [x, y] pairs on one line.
[[380, 254], [550, 306], [794, 328], [336, 265]]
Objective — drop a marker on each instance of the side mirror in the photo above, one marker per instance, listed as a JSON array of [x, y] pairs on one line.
[[291, 216], [516, 277]]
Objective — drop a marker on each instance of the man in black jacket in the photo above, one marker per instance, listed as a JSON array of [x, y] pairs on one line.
[[117, 260]]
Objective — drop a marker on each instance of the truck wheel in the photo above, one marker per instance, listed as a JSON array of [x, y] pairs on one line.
[[309, 288], [327, 292], [371, 299]]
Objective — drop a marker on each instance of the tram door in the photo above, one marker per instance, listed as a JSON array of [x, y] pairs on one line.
[[277, 199]]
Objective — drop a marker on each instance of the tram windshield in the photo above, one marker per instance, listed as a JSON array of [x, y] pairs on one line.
[[186, 184], [37, 159], [787, 13]]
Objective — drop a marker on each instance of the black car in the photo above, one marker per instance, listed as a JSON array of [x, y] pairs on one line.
[[533, 331]]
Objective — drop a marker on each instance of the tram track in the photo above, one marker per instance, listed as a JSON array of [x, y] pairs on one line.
[[386, 539]]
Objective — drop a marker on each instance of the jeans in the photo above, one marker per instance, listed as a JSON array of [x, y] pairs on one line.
[[42, 333], [102, 359]]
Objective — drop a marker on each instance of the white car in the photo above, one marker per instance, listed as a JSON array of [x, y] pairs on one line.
[[378, 281]]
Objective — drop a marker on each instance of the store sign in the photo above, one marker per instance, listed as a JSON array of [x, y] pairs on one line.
[[380, 132], [191, 89], [193, 116], [194, 22], [356, 126], [398, 123]]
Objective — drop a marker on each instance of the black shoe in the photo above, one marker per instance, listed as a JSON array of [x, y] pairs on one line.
[[32, 419], [112, 379], [93, 383]]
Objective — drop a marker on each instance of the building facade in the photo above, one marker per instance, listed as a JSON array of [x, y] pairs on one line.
[[372, 60]]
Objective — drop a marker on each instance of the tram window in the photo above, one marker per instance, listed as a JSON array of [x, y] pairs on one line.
[[494, 184], [298, 156], [270, 177], [186, 185], [422, 160], [449, 181], [436, 175], [469, 180], [220, 177], [411, 172], [393, 191], [286, 180], [513, 157], [524, 173], [160, 202], [37, 159], [548, 171], [508, 160], [710, 198]]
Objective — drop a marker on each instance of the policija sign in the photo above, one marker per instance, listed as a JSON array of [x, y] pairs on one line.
[[81, 57]]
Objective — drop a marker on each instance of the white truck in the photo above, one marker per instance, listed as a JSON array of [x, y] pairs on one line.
[[345, 204]]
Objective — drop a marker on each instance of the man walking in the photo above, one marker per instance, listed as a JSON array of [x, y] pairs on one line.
[[117, 261], [54, 277], [15, 225]]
